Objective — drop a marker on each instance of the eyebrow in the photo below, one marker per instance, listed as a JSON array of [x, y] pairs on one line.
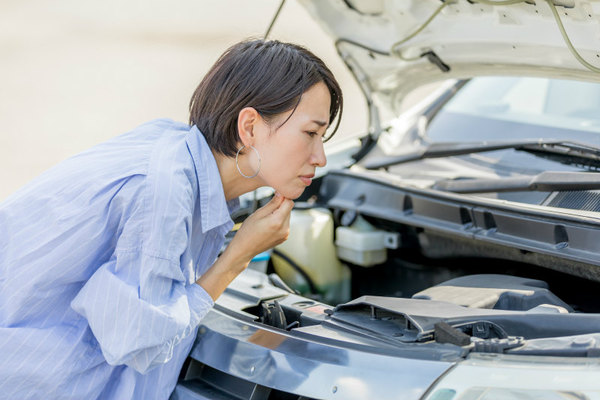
[[320, 123]]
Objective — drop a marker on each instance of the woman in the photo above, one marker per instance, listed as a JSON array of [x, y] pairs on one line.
[[108, 261]]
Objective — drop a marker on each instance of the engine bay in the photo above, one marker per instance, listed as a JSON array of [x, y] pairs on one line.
[[396, 267]]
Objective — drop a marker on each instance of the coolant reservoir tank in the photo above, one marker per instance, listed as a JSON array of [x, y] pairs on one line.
[[310, 247], [362, 244]]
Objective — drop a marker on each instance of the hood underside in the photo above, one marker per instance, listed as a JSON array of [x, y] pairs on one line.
[[396, 46]]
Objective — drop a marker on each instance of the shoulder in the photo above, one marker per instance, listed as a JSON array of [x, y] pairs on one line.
[[170, 164], [171, 193]]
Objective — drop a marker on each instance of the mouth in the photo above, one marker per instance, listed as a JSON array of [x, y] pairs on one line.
[[307, 179]]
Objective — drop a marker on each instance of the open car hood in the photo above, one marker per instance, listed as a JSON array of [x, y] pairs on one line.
[[395, 46]]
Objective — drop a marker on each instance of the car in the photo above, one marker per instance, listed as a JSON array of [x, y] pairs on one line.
[[453, 252]]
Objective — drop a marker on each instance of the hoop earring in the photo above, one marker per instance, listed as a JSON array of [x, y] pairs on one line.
[[238, 165]]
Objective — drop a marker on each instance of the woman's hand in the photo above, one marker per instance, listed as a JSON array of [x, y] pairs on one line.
[[265, 228]]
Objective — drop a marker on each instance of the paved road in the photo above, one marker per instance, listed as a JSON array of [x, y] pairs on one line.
[[76, 72]]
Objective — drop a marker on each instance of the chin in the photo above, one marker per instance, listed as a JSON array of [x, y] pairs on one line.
[[291, 194]]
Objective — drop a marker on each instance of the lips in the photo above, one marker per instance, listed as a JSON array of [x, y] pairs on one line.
[[307, 179]]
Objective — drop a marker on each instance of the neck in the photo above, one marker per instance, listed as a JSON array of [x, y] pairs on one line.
[[234, 184]]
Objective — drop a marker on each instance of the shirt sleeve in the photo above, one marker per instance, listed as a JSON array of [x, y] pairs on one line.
[[140, 331], [139, 304]]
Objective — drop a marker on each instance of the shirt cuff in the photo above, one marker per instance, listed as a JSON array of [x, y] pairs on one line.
[[200, 302]]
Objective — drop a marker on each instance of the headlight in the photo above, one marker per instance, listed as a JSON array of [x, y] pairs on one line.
[[512, 377]]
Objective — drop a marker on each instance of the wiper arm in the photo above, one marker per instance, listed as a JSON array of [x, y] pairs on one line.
[[544, 182], [565, 152], [571, 153]]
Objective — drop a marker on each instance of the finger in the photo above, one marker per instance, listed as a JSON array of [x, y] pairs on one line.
[[271, 206], [285, 225], [286, 221], [285, 209]]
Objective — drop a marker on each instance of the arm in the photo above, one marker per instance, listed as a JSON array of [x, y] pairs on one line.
[[266, 228], [137, 330], [139, 306]]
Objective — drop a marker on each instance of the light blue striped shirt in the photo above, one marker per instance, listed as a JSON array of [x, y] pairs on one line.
[[98, 262]]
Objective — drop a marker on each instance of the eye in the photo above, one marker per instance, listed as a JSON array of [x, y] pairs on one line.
[[312, 133]]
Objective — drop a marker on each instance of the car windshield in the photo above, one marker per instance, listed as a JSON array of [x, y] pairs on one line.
[[509, 108]]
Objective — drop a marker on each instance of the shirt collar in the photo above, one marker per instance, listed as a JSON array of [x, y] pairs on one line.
[[214, 208]]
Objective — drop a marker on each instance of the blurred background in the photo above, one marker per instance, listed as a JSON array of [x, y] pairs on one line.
[[74, 73]]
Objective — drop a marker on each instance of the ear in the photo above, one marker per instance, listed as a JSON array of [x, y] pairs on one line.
[[248, 118]]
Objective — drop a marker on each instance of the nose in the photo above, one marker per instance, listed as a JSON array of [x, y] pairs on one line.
[[318, 157]]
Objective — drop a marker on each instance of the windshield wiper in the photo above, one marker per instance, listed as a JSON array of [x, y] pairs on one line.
[[543, 182], [562, 151], [571, 153]]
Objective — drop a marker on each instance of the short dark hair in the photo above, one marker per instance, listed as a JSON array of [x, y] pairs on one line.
[[267, 75]]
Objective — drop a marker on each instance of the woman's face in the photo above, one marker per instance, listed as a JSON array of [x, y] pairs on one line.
[[290, 154]]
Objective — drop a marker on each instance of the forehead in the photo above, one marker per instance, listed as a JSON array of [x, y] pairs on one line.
[[314, 104]]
